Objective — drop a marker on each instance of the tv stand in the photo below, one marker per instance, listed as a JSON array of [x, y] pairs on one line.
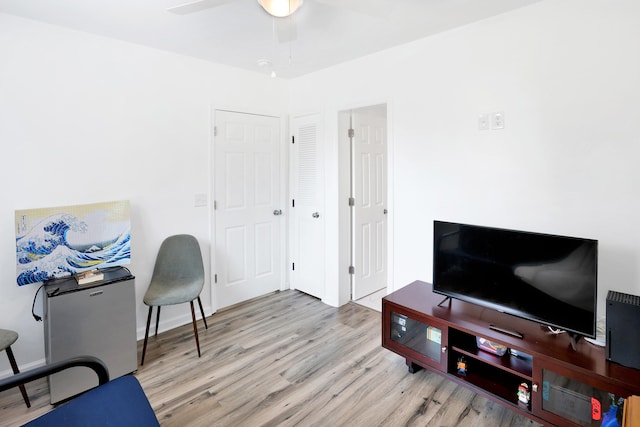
[[445, 300], [574, 338], [566, 387], [506, 331]]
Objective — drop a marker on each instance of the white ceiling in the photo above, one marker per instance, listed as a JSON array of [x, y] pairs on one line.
[[240, 33]]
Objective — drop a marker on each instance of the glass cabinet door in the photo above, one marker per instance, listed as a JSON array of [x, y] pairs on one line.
[[422, 338], [576, 401]]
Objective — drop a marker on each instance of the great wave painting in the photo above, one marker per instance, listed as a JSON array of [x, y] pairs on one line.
[[59, 242]]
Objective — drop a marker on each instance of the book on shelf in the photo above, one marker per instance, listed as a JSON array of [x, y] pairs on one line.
[[434, 334], [89, 276]]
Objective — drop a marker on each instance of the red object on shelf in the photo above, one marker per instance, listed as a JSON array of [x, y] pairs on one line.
[[596, 409]]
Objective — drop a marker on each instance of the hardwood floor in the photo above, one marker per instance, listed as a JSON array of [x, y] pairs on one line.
[[287, 359]]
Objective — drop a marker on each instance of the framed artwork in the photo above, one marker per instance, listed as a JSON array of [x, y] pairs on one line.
[[61, 241]]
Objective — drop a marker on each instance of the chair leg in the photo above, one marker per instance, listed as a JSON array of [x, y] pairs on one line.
[[14, 366], [195, 326], [146, 335], [157, 320], [204, 319]]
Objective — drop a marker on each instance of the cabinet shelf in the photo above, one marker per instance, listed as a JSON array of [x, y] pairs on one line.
[[489, 377], [466, 344], [505, 392], [512, 364]]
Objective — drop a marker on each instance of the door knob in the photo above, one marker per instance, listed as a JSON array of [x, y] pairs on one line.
[[277, 212], [315, 215]]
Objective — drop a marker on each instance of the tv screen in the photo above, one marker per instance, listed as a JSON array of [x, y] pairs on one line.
[[545, 278]]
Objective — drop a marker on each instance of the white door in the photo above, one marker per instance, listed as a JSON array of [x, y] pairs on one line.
[[248, 251], [369, 145], [307, 207]]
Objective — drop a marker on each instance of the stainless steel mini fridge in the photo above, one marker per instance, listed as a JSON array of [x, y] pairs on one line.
[[96, 319]]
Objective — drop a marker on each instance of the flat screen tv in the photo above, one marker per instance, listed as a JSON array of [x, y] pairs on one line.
[[545, 278]]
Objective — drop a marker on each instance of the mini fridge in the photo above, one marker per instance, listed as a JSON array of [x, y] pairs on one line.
[[96, 319]]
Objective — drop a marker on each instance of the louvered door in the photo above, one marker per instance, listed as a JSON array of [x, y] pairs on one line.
[[307, 207]]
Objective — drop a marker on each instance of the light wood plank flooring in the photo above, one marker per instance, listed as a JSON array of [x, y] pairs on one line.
[[286, 359]]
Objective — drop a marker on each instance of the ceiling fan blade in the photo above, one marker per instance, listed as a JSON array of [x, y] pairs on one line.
[[196, 6], [374, 8], [285, 29]]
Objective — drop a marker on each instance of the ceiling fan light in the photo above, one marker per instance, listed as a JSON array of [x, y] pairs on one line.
[[280, 8]]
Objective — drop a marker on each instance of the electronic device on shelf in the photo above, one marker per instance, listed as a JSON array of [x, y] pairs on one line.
[[545, 278], [623, 321]]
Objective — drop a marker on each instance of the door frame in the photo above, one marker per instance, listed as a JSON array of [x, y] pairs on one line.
[[284, 191], [344, 190]]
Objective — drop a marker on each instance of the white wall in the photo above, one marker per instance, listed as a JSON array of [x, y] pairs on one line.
[[85, 119], [566, 75], [564, 72]]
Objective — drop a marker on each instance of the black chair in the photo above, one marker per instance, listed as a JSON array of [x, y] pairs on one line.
[[121, 402]]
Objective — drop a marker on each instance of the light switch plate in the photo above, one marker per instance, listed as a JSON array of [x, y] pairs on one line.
[[483, 121], [497, 120], [200, 200]]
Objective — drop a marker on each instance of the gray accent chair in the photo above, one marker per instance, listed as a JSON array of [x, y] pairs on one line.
[[178, 277], [7, 338]]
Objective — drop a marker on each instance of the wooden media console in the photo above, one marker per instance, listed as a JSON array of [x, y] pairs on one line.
[[541, 376]]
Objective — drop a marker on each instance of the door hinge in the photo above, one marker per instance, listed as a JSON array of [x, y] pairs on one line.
[[351, 133], [352, 269], [293, 203], [293, 139], [293, 265], [215, 131], [215, 278], [352, 201], [215, 205]]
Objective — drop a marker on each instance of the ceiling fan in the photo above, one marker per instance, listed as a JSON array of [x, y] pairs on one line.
[[277, 8], [281, 10]]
